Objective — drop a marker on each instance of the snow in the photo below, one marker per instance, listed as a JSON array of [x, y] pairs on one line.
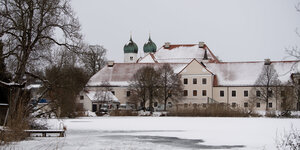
[[101, 95], [179, 54], [121, 73], [246, 73], [33, 86], [164, 133], [147, 59]]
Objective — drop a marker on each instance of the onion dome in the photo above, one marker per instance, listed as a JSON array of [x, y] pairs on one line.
[[130, 47], [150, 46]]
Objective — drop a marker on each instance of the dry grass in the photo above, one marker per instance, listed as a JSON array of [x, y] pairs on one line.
[[212, 111], [123, 113]]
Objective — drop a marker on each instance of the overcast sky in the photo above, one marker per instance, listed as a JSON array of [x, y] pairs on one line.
[[235, 30]]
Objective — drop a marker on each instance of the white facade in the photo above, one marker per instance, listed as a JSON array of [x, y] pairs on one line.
[[205, 81], [130, 57]]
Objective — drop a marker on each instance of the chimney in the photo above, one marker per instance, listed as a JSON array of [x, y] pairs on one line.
[[205, 55], [110, 63], [267, 62], [201, 44], [167, 45]]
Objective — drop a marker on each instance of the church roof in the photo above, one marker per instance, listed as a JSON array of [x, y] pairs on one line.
[[121, 73], [226, 73], [180, 53], [130, 47], [150, 46]]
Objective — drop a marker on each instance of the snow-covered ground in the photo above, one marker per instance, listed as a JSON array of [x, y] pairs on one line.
[[164, 133]]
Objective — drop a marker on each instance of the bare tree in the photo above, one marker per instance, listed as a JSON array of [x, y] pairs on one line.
[[102, 95], [28, 29], [266, 84], [171, 87], [94, 58], [145, 84]]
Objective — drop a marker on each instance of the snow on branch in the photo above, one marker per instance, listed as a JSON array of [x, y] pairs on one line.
[[13, 84]]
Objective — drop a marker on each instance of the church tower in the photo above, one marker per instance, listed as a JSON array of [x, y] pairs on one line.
[[130, 52], [149, 47]]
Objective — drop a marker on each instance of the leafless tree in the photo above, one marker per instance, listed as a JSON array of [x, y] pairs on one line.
[[171, 87], [145, 84], [102, 95], [94, 58], [28, 29], [266, 84]]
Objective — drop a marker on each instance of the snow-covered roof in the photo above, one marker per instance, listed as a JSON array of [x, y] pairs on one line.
[[121, 73], [183, 53], [246, 73], [101, 96]]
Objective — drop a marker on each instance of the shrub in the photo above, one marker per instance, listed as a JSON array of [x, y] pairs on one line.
[[212, 110], [289, 140], [123, 113]]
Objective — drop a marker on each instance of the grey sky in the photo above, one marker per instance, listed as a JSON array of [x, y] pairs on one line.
[[235, 30]]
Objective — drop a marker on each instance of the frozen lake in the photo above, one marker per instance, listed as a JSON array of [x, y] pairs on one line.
[[151, 133]]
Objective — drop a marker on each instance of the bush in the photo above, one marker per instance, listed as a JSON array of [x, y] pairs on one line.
[[289, 140], [123, 113], [212, 110]]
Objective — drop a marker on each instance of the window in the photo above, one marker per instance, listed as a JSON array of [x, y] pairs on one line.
[[233, 93], [81, 97], [203, 80], [185, 93], [233, 104], [194, 81], [170, 104], [94, 107], [270, 105], [270, 93], [155, 104], [204, 105], [282, 93], [113, 92], [131, 58], [246, 104], [221, 93], [128, 93], [203, 92], [169, 94], [194, 92], [185, 81], [245, 93], [257, 93], [257, 105]]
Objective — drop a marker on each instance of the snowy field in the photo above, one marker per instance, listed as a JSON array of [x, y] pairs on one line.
[[151, 133]]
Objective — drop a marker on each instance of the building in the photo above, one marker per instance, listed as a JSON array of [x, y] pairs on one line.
[[205, 78]]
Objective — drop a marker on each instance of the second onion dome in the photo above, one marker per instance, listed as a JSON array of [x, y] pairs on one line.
[[149, 47]]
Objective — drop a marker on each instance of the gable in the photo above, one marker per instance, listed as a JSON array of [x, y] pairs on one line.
[[195, 68]]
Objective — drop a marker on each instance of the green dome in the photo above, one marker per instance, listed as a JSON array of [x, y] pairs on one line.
[[130, 47], [150, 46]]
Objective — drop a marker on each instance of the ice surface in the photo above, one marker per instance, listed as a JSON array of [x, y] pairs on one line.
[[151, 133]]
